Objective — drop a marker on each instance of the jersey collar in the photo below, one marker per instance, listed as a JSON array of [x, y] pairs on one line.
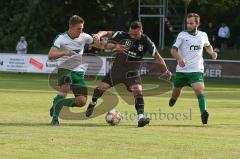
[[193, 34], [69, 35]]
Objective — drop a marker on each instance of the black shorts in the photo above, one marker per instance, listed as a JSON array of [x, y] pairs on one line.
[[127, 78], [123, 71]]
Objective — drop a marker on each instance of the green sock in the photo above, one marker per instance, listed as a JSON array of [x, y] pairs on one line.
[[202, 102], [58, 104], [69, 102]]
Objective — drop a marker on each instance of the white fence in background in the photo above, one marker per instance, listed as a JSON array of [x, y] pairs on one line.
[[36, 63]]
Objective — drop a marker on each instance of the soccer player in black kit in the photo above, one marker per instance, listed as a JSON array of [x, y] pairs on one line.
[[125, 66]]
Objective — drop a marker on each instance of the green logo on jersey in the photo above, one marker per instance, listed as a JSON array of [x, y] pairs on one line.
[[77, 51], [195, 47]]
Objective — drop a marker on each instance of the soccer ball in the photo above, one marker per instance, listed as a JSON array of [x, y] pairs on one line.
[[113, 117]]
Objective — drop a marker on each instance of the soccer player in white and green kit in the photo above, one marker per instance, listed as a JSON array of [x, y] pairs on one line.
[[188, 51], [71, 72]]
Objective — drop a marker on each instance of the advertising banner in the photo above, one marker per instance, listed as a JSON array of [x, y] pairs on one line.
[[40, 63]]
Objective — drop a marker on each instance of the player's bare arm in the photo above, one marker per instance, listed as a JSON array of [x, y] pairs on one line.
[[179, 59], [101, 34], [108, 34], [54, 53], [163, 65], [211, 52], [111, 46]]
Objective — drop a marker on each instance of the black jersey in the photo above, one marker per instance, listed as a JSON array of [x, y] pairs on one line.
[[137, 47]]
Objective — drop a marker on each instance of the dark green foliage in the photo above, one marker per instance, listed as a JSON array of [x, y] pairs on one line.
[[41, 20]]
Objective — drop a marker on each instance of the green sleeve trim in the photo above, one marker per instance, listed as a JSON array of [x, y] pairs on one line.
[[55, 46], [58, 36], [174, 47]]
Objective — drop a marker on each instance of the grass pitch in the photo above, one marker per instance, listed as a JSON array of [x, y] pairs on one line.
[[173, 133]]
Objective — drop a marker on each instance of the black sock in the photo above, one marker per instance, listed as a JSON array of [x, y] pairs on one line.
[[139, 103], [97, 94]]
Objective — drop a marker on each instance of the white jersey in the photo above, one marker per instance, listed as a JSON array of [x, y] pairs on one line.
[[190, 47], [65, 42]]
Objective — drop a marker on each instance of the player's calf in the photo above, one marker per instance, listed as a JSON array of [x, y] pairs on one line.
[[56, 110], [175, 94], [80, 101], [139, 105], [56, 99], [98, 92]]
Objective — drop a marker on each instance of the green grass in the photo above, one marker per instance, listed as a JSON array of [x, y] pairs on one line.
[[25, 132]]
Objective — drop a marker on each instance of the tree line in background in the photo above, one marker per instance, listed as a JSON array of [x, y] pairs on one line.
[[41, 20]]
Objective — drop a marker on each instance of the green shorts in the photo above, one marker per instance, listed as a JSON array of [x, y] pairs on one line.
[[66, 76], [187, 78]]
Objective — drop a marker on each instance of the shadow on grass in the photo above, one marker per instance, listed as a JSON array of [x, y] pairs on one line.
[[200, 125], [95, 125], [91, 125], [18, 124], [25, 124], [174, 125]]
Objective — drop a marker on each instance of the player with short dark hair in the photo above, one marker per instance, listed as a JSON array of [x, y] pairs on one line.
[[125, 66], [188, 51], [70, 44]]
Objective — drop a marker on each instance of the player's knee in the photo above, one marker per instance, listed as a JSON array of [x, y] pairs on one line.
[[198, 88], [103, 86], [199, 91], [81, 101], [136, 89], [64, 89]]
